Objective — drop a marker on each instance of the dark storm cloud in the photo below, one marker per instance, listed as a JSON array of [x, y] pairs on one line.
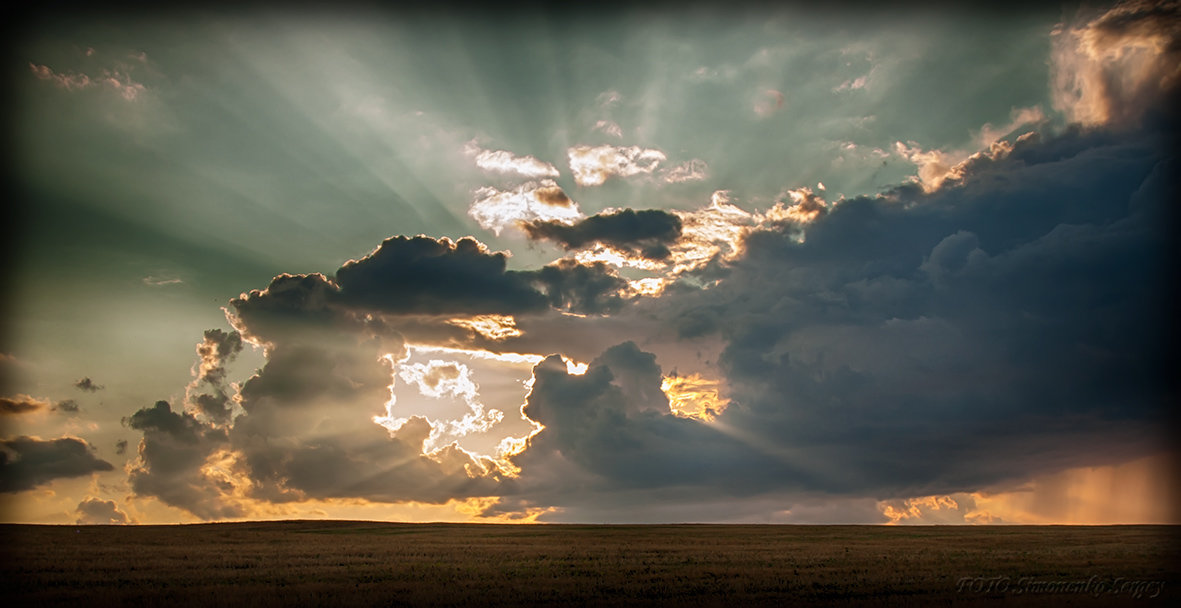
[[912, 344], [425, 275], [289, 303], [421, 276], [121, 447], [928, 343], [94, 511], [88, 385], [614, 422], [21, 404], [644, 233], [581, 288], [174, 448], [28, 462]]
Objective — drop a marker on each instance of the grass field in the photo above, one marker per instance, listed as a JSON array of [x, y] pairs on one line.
[[368, 564]]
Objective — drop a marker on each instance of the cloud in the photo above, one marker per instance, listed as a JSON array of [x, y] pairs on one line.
[[208, 392], [913, 350], [121, 447], [172, 459], [852, 84], [609, 127], [958, 322], [441, 379], [21, 404], [902, 350], [88, 385], [611, 429], [767, 103], [425, 275], [1115, 68], [496, 209], [503, 161], [160, 281], [938, 166], [117, 80], [318, 420], [70, 81], [643, 233], [28, 462], [581, 288], [592, 166], [67, 406], [94, 511], [688, 171]]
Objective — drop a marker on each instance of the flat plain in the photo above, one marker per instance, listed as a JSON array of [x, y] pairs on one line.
[[306, 563]]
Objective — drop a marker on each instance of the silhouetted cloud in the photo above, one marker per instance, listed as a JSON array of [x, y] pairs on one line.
[[101, 512], [174, 448], [88, 385], [437, 276], [67, 406], [209, 392], [645, 233], [28, 462], [21, 404], [581, 288]]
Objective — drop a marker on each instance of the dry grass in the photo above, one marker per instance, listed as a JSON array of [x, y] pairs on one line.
[[367, 564]]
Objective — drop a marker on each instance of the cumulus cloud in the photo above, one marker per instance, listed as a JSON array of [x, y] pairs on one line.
[[28, 462], [88, 385], [21, 404], [95, 511], [1114, 68], [319, 420], [1016, 300], [543, 200], [593, 165], [896, 352], [581, 288], [172, 459], [209, 392], [503, 161], [938, 166], [421, 274], [644, 233], [914, 348]]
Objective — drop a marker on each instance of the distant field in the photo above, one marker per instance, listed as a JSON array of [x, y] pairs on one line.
[[368, 564]]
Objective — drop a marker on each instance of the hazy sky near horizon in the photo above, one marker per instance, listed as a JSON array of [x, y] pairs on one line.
[[652, 265]]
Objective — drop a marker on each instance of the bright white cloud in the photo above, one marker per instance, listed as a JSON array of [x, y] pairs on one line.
[[496, 209], [503, 161], [689, 171], [592, 166]]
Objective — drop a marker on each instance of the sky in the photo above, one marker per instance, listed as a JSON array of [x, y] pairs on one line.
[[695, 263]]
